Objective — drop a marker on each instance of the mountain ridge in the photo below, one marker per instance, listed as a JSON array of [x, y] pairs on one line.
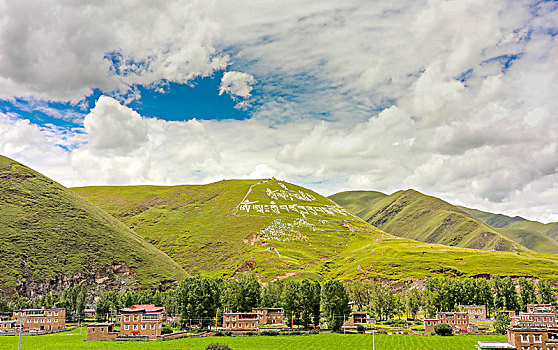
[[54, 239]]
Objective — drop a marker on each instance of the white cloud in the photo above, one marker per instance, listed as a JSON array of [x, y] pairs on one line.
[[237, 84], [456, 99]]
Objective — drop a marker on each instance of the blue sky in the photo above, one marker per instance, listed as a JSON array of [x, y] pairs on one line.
[[454, 99]]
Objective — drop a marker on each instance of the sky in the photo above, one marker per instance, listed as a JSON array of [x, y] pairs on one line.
[[456, 99]]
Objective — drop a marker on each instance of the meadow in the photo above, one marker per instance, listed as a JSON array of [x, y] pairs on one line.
[[73, 340]]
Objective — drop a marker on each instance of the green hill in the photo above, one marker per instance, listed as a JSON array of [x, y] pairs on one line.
[[411, 214], [359, 203], [532, 234], [280, 230], [51, 238]]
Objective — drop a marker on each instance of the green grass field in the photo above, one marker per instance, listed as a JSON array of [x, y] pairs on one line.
[[73, 340]]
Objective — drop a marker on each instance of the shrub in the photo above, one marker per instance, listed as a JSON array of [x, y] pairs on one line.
[[269, 332], [443, 329], [219, 334], [228, 333], [250, 333], [360, 328], [502, 322], [315, 331], [218, 346], [167, 330]]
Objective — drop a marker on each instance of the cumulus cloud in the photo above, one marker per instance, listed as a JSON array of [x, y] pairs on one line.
[[237, 84], [114, 128], [456, 99]]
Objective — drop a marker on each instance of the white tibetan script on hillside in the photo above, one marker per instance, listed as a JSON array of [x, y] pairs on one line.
[[304, 210]]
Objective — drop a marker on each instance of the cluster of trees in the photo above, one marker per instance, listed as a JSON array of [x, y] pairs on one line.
[[74, 300], [200, 300], [498, 293]]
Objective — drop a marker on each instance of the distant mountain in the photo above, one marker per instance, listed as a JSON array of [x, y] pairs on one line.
[[52, 239], [280, 230], [411, 214], [532, 234]]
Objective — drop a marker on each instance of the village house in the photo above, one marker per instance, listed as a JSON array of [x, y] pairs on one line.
[[270, 315], [475, 312], [459, 322], [142, 320], [89, 313], [7, 326], [521, 338], [537, 316], [41, 319], [101, 331], [242, 321], [356, 317]]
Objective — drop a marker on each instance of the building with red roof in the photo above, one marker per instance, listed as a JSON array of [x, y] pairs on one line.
[[142, 321]]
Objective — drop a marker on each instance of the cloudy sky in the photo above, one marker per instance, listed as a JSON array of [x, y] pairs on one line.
[[457, 99]]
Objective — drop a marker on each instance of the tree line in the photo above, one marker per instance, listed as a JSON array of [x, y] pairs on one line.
[[198, 301]]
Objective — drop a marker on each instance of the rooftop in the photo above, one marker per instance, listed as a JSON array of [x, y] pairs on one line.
[[494, 345], [147, 308]]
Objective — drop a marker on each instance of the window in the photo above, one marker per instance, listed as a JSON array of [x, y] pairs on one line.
[[126, 318], [144, 326], [537, 338], [56, 313], [152, 326], [136, 317], [126, 326], [55, 320], [135, 327], [524, 338], [227, 318], [92, 329], [48, 320], [36, 320]]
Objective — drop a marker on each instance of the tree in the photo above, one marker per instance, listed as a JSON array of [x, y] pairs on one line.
[[502, 322], [546, 295], [316, 302], [359, 293], [243, 293], [509, 294], [412, 302], [271, 294], [526, 293], [443, 329], [290, 299], [306, 299], [199, 299], [335, 303]]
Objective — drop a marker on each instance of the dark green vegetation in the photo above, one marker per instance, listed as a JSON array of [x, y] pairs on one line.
[[209, 232], [52, 238], [73, 340], [411, 214], [443, 330], [532, 234]]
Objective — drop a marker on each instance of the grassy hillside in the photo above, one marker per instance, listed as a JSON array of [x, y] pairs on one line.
[[411, 214], [532, 234], [51, 238], [359, 203], [219, 228]]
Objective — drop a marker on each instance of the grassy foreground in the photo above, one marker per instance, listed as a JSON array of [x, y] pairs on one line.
[[73, 340]]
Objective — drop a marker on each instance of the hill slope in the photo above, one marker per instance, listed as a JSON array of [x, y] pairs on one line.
[[411, 214], [52, 238], [280, 230], [532, 234]]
